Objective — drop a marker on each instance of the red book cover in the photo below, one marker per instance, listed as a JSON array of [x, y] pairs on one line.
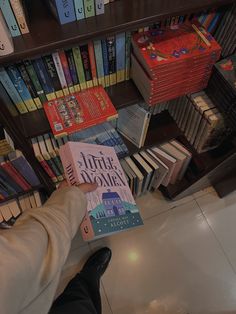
[[79, 111], [16, 176], [159, 47]]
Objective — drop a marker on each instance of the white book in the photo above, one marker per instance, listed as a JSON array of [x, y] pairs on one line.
[[6, 43], [139, 183], [37, 199], [145, 169], [14, 208], [6, 213]]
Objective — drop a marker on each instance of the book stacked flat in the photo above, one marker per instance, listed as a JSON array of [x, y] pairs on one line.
[[171, 62], [222, 88]]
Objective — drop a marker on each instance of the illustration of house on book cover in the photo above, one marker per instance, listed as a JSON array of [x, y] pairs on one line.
[[111, 207]]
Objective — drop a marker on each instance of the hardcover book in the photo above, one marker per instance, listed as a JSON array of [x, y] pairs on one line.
[[111, 207], [79, 111]]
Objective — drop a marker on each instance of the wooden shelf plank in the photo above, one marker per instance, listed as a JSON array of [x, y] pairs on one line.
[[46, 34]]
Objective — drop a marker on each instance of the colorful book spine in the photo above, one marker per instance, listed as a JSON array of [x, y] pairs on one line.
[[105, 62], [9, 181], [89, 8], [60, 72], [6, 44], [12, 92], [120, 57], [10, 18], [44, 78], [63, 10], [111, 50], [34, 78], [79, 9], [99, 7], [20, 16], [29, 84], [20, 86], [16, 176], [92, 63], [66, 71], [214, 22], [7, 187], [99, 62], [127, 55], [52, 72], [72, 68], [86, 65], [79, 67]]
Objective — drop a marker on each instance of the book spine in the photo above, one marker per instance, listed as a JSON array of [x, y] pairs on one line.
[[111, 59], [89, 8], [20, 16], [99, 62], [6, 44], [99, 6], [60, 72], [9, 181], [16, 176], [86, 64], [57, 162], [12, 92], [7, 187], [79, 9], [24, 168], [4, 193], [9, 18], [72, 68], [105, 62], [214, 22], [19, 84], [120, 57], [92, 63], [127, 55], [33, 76], [44, 78], [52, 72], [21, 68], [79, 67], [65, 10], [66, 71]]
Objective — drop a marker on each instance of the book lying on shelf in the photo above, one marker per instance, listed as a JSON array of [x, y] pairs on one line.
[[133, 123], [111, 207], [79, 111]]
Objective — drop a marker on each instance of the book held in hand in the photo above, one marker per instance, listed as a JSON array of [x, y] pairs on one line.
[[79, 111], [111, 207]]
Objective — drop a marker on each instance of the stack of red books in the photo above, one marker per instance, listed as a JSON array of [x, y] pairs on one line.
[[171, 62]]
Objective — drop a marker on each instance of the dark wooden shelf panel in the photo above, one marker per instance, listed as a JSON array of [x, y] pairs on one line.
[[35, 123], [46, 34]]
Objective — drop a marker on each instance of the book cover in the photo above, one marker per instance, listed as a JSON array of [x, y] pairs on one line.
[[72, 68], [9, 18], [89, 8], [16, 176], [111, 51], [66, 70], [99, 62], [79, 9], [86, 65], [99, 6], [111, 207], [120, 57], [6, 43], [79, 111], [20, 16], [63, 10], [227, 68], [79, 67]]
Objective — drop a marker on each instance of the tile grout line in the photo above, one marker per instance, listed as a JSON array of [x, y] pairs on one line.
[[218, 241]]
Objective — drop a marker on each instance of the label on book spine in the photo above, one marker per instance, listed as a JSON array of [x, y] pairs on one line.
[[20, 16], [99, 6], [65, 10], [79, 9], [111, 59], [9, 18], [52, 72], [89, 8]]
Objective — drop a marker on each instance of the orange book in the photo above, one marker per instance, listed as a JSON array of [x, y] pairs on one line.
[[20, 16]]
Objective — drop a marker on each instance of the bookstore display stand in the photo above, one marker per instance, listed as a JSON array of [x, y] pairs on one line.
[[47, 35]]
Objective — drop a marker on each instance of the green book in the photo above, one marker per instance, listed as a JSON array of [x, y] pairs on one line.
[[79, 67], [89, 8]]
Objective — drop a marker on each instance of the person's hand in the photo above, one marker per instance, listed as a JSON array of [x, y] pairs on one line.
[[84, 187]]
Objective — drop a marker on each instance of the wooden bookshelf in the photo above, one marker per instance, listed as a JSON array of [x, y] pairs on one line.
[[14, 196], [46, 34]]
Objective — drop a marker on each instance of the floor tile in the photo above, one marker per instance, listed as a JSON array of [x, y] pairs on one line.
[[152, 204], [173, 264], [203, 192], [221, 216]]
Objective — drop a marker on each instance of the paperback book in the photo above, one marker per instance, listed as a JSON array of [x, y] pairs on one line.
[[111, 207]]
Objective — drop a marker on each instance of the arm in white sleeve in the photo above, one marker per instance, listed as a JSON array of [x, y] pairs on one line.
[[34, 251]]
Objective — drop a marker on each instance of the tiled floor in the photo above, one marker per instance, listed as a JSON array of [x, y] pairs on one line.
[[182, 261]]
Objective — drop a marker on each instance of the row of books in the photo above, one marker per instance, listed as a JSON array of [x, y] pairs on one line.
[[222, 89], [72, 10], [168, 63], [6, 143], [31, 83], [162, 165], [16, 175], [11, 210], [225, 33], [46, 147]]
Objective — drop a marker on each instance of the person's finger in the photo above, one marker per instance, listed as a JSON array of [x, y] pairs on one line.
[[63, 184], [87, 187]]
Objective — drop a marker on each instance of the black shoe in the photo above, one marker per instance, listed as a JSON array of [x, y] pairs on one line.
[[97, 264]]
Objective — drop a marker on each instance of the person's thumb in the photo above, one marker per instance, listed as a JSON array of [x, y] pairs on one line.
[[87, 187]]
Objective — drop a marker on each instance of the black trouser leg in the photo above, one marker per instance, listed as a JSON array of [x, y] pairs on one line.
[[80, 297]]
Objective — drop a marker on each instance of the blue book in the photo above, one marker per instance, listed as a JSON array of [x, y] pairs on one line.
[[214, 22], [120, 57], [99, 61], [43, 76], [105, 62], [79, 9], [99, 7], [63, 10], [10, 18], [9, 182]]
